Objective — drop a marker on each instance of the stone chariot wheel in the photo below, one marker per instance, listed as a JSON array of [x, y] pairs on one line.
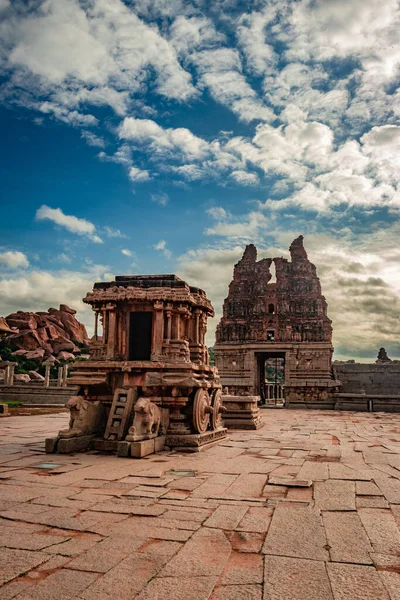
[[201, 410], [216, 404]]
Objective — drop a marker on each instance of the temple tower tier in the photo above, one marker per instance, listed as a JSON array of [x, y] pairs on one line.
[[282, 325]]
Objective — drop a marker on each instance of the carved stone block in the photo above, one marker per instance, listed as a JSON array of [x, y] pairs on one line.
[[74, 444]]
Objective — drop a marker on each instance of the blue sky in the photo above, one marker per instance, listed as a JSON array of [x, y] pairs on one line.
[[162, 136]]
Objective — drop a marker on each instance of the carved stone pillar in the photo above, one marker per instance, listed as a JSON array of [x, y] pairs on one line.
[[196, 327], [60, 376], [105, 326], [11, 374], [176, 326], [169, 325], [65, 375], [96, 325], [111, 331], [47, 375], [158, 330]]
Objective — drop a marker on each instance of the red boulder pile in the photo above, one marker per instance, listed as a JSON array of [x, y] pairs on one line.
[[55, 335]]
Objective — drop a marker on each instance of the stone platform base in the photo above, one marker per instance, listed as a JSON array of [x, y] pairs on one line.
[[142, 448], [68, 445], [242, 412], [195, 442]]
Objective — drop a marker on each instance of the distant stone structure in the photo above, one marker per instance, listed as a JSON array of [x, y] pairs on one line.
[[285, 320], [149, 368], [382, 357]]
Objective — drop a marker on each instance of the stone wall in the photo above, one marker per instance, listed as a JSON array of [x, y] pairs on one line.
[[369, 378], [35, 394], [368, 387]]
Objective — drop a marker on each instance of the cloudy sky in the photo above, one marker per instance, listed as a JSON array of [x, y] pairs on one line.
[[156, 136]]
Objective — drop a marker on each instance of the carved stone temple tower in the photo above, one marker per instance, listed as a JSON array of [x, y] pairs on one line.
[[284, 321]]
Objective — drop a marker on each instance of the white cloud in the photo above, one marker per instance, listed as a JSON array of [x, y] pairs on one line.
[[106, 43], [244, 177], [64, 258], [127, 252], [217, 212], [260, 56], [14, 259], [122, 156], [179, 141], [136, 174], [113, 233], [162, 199], [220, 72], [92, 139], [71, 223], [244, 227], [190, 33], [162, 247]]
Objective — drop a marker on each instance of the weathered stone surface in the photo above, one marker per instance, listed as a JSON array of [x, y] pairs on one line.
[[242, 569], [295, 579], [256, 520], [226, 517], [347, 538], [63, 584], [205, 554], [179, 588], [355, 582], [335, 495], [237, 592], [296, 531], [17, 562], [381, 529]]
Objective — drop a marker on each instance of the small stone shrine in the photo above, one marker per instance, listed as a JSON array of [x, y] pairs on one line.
[[148, 382], [282, 323]]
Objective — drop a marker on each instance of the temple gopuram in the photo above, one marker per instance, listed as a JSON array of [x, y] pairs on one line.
[[275, 338], [148, 382]]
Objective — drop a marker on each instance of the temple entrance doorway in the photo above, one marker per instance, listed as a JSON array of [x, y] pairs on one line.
[[140, 334], [271, 377]]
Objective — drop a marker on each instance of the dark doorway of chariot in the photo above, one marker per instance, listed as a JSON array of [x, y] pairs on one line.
[[140, 333], [271, 377]]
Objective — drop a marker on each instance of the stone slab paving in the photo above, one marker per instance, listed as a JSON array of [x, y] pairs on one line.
[[306, 507]]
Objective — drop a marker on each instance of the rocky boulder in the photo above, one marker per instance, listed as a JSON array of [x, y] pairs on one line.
[[22, 378], [34, 376], [4, 326], [65, 356], [35, 354], [44, 333], [75, 330]]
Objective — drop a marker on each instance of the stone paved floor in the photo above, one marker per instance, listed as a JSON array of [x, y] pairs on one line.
[[101, 526]]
